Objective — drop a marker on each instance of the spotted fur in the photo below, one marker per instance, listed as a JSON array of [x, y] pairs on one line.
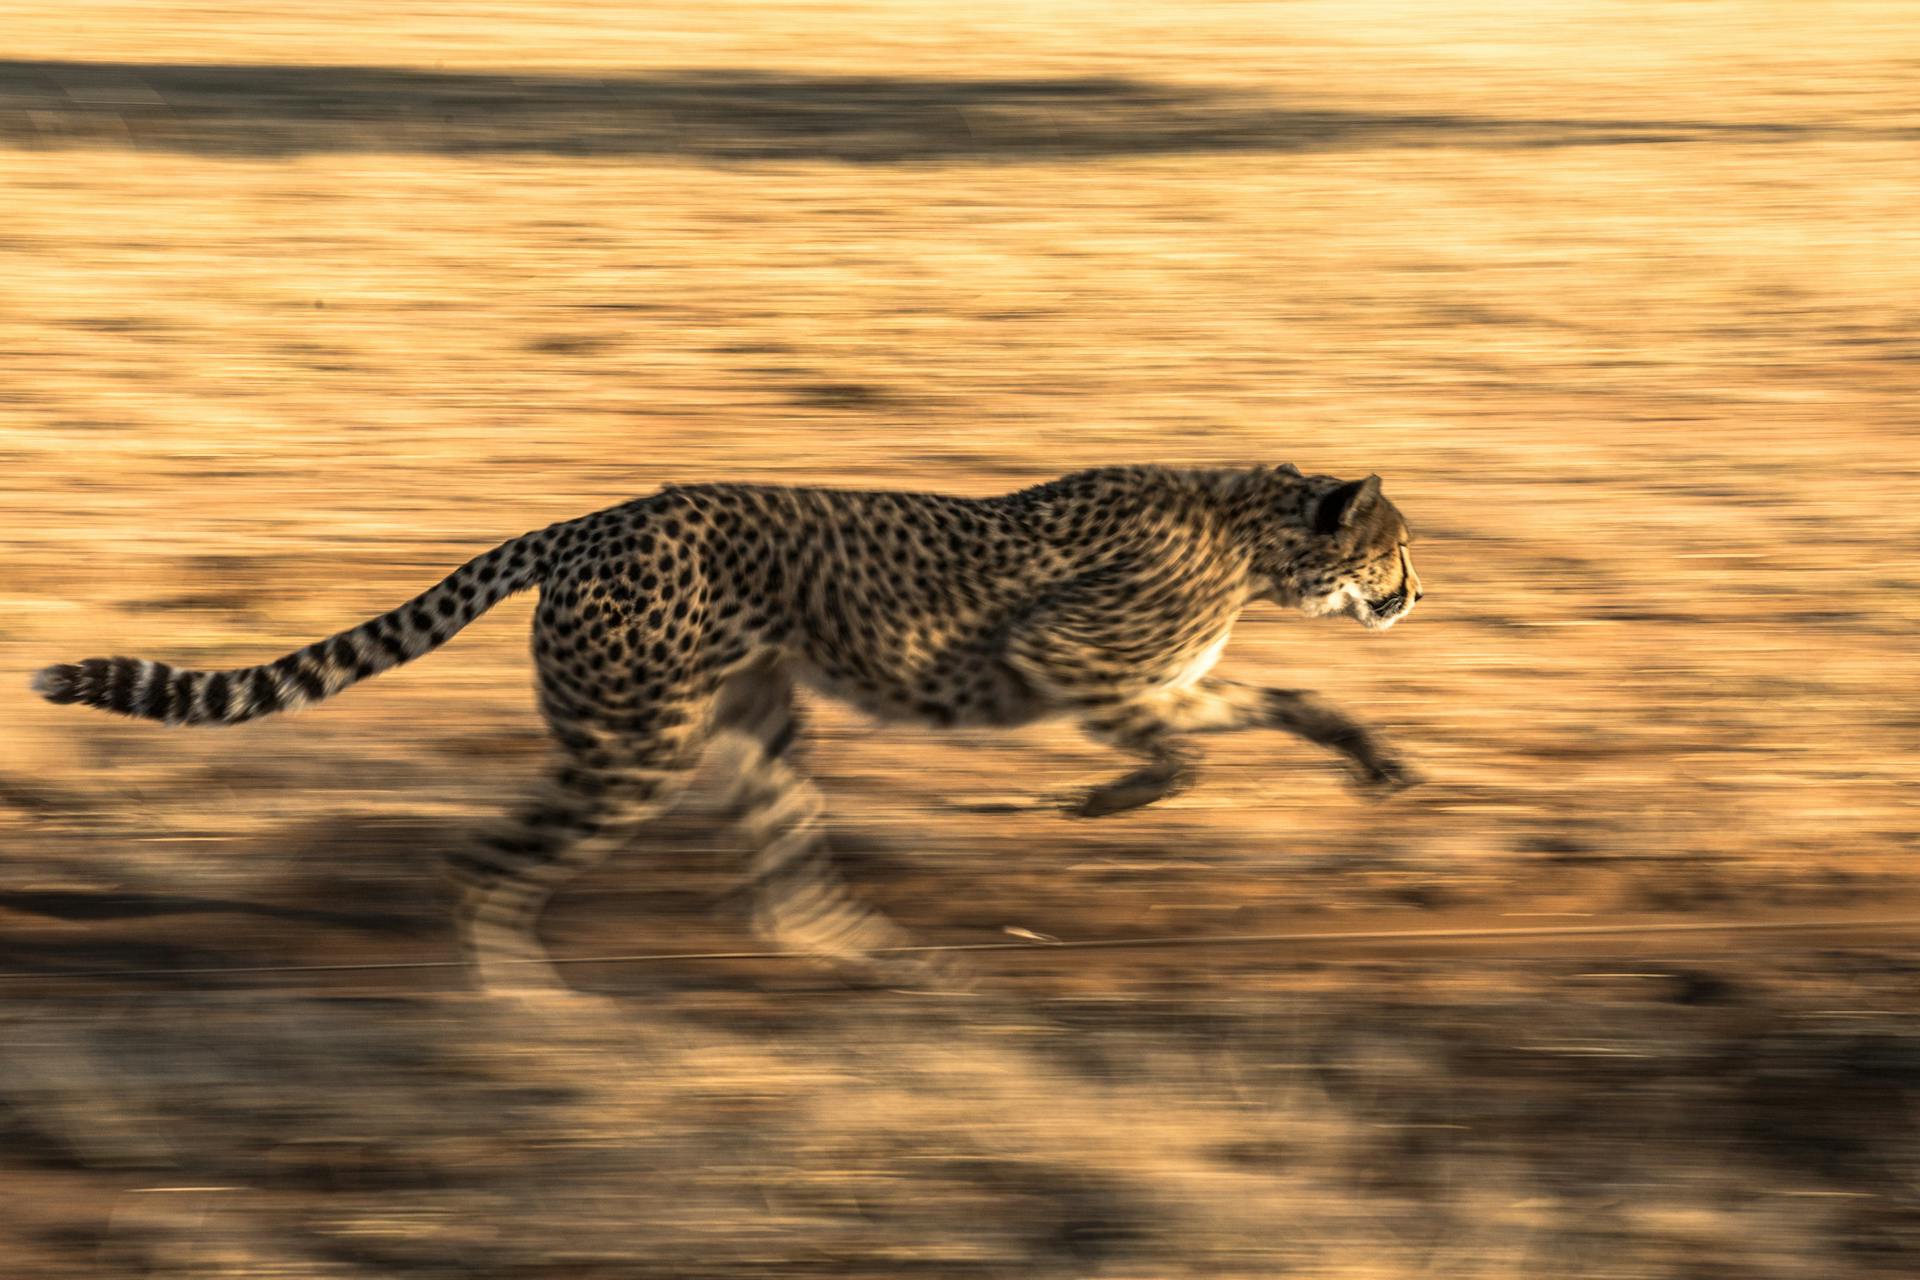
[[690, 616]]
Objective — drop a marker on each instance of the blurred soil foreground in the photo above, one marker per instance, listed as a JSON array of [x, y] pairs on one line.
[[1623, 301]]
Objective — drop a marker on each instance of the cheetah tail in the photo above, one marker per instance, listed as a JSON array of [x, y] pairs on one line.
[[155, 691]]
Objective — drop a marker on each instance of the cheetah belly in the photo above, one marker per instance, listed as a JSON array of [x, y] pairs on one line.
[[1201, 663]]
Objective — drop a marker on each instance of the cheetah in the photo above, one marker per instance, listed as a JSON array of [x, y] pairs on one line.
[[684, 622]]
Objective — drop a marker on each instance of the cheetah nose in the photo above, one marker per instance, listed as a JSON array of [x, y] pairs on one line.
[[1418, 596]]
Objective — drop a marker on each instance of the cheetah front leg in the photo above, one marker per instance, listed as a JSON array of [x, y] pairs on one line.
[[1374, 765], [1091, 652], [1140, 729], [1157, 726], [1213, 705]]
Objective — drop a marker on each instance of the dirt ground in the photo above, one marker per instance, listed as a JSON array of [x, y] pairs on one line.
[[1622, 299]]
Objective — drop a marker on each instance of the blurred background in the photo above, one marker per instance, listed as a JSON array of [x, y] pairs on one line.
[[303, 307]]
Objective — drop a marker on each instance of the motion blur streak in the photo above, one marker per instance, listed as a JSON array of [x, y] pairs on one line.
[[305, 307]]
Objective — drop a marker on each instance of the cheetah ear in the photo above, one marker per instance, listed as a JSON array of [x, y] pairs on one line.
[[1345, 505]]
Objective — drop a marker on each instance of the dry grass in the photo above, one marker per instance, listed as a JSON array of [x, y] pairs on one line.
[[1620, 298]]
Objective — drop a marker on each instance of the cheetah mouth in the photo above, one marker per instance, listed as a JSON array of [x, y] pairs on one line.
[[1388, 608]]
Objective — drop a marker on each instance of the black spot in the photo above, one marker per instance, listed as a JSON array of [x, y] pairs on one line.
[[572, 739], [444, 606], [294, 669], [385, 639], [418, 619], [343, 654]]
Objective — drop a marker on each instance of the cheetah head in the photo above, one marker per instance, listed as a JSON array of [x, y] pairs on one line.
[[1354, 561]]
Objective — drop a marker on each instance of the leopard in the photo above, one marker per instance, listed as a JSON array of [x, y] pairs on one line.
[[681, 629]]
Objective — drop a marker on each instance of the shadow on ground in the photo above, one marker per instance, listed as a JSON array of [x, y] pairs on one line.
[[1484, 1121], [737, 115]]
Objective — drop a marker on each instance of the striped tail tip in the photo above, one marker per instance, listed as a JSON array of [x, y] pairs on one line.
[[59, 684]]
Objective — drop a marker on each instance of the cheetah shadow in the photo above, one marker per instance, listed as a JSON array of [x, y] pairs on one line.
[[738, 115]]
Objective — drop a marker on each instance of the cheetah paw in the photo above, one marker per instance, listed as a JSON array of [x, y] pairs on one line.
[[1383, 776]]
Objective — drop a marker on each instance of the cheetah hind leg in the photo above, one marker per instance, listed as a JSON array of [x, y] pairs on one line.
[[573, 821], [800, 901]]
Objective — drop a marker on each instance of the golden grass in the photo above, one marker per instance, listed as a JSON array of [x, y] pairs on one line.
[[1619, 298]]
